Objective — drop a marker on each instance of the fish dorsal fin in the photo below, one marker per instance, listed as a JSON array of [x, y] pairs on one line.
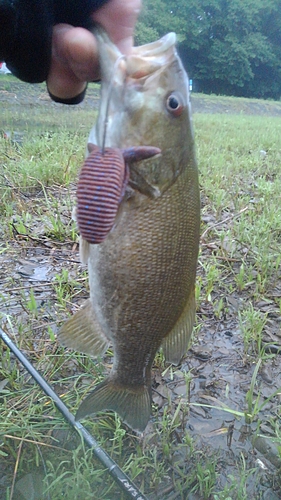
[[175, 344], [83, 333]]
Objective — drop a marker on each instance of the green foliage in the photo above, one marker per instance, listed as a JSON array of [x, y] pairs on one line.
[[229, 46]]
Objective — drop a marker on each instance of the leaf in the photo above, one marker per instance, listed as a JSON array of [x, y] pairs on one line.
[[3, 383]]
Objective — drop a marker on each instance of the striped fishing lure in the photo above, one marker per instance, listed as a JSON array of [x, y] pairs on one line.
[[101, 186]]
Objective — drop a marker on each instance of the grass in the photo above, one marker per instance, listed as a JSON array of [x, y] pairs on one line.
[[238, 284], [241, 188]]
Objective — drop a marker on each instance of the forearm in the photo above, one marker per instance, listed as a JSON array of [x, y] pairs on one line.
[[26, 32]]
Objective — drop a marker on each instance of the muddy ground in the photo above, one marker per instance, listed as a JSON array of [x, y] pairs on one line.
[[220, 373], [21, 94]]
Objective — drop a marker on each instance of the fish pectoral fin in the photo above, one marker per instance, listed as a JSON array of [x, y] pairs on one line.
[[84, 250], [175, 344], [83, 333], [132, 404], [139, 183]]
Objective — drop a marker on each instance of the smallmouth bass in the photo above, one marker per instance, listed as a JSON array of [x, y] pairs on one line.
[[142, 275]]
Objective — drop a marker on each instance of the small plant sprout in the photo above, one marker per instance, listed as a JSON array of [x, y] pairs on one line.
[[252, 324], [206, 476]]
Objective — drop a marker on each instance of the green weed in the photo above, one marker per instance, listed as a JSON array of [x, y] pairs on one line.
[[252, 323], [206, 477]]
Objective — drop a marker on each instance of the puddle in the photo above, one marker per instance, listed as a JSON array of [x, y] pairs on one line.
[[34, 272]]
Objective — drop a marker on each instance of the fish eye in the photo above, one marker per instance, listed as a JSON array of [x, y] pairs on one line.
[[174, 104]]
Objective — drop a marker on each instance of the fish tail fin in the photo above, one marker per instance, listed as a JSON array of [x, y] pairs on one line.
[[132, 404]]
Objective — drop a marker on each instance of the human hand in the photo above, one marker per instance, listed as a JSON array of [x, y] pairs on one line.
[[75, 52]]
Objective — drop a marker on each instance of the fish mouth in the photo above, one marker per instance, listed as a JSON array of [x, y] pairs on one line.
[[146, 59], [155, 49], [142, 62]]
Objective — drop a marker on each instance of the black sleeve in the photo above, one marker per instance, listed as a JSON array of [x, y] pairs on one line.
[[26, 32]]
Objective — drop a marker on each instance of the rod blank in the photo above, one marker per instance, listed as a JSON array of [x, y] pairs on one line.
[[114, 470]]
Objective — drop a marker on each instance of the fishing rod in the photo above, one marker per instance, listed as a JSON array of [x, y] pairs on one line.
[[114, 470]]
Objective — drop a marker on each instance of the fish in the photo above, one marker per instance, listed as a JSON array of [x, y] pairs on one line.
[[141, 265]]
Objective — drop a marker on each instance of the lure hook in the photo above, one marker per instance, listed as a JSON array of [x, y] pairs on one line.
[[122, 57]]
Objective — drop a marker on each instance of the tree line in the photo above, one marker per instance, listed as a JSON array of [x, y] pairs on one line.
[[229, 47]]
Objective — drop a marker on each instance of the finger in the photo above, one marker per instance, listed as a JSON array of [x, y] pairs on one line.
[[118, 18], [74, 61]]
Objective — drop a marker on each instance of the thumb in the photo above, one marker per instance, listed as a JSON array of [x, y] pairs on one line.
[[118, 18], [74, 61]]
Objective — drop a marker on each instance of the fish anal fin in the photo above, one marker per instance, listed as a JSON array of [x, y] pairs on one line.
[[175, 344], [132, 404], [83, 333]]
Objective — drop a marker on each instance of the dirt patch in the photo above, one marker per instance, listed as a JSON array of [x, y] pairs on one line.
[[21, 94], [234, 106], [33, 95]]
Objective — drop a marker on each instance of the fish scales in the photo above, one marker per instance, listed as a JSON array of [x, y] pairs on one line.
[[142, 276], [148, 287]]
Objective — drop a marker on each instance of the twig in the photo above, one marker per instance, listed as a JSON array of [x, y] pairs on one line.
[[223, 221], [227, 259], [38, 284], [16, 470], [165, 491], [8, 436], [16, 289]]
